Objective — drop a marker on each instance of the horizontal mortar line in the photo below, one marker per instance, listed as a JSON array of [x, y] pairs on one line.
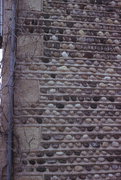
[[90, 16], [68, 125], [68, 64], [81, 141], [74, 58], [65, 27], [82, 51], [87, 10], [77, 102], [74, 164], [55, 17], [66, 73], [70, 174], [91, 95], [81, 133], [79, 87], [72, 149], [81, 3], [63, 8], [108, 27], [66, 117], [73, 156], [85, 43], [69, 80], [79, 36], [37, 78], [65, 35], [69, 109], [48, 9]]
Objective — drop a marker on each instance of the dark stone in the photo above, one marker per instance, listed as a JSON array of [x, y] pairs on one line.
[[86, 144], [55, 146], [53, 169], [90, 128], [46, 137], [60, 31], [39, 120], [116, 136], [58, 98], [110, 159], [84, 84], [82, 176], [60, 106], [53, 75], [73, 177], [96, 98], [51, 161], [41, 169], [88, 55], [92, 1], [51, 97], [69, 153], [47, 53], [71, 160], [117, 152], [66, 98], [31, 29], [40, 154], [88, 168], [100, 136], [92, 84], [73, 98], [69, 24], [44, 91], [46, 30], [53, 30], [92, 136], [46, 16], [50, 153], [73, 39], [71, 121], [93, 106], [46, 37], [99, 1], [111, 99], [118, 106], [41, 161], [45, 60], [45, 145], [47, 23], [68, 11], [60, 38], [47, 177], [118, 159], [32, 162], [87, 113], [56, 45], [62, 161], [77, 153]]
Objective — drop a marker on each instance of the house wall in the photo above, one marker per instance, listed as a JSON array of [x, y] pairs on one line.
[[67, 90]]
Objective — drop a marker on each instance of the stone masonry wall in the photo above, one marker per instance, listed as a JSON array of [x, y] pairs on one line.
[[67, 100]]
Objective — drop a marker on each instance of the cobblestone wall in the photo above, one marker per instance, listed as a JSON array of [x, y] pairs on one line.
[[68, 90]]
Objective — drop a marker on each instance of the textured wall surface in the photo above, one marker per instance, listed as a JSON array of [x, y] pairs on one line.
[[67, 97]]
